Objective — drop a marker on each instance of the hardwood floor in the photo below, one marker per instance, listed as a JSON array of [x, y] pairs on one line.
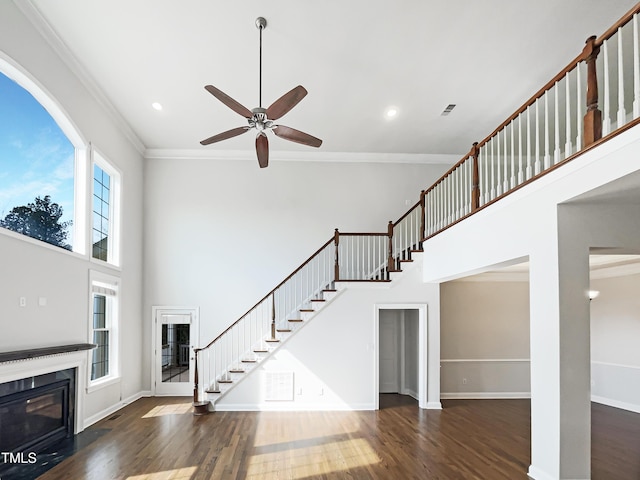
[[158, 438]]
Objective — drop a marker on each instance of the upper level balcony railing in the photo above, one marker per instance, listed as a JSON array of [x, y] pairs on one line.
[[595, 97]]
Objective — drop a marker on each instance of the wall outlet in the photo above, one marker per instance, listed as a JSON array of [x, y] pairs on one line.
[[23, 301], [464, 381], [321, 391]]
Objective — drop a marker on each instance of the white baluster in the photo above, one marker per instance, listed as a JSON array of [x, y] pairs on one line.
[[513, 156], [493, 173], [520, 160], [556, 124], [506, 161], [622, 113], [567, 145], [547, 150], [537, 165], [606, 113], [636, 69], [498, 165], [579, 103], [529, 172]]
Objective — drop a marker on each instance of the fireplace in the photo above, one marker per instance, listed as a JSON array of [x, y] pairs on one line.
[[37, 411]]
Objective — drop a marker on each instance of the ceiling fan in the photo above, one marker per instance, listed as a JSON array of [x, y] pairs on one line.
[[263, 119]]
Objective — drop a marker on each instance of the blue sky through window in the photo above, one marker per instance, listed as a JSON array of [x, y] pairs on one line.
[[36, 158]]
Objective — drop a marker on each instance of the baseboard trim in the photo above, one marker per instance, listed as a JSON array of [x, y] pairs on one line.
[[275, 407], [616, 403], [114, 408], [434, 406], [483, 395], [537, 474]]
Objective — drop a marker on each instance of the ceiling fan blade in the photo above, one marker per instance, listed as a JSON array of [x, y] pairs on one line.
[[224, 135], [297, 136], [262, 149], [229, 102], [286, 102]]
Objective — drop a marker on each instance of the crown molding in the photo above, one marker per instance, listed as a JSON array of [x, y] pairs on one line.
[[295, 156], [36, 18]]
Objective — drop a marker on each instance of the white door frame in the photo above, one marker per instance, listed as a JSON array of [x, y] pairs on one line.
[[422, 349], [194, 333]]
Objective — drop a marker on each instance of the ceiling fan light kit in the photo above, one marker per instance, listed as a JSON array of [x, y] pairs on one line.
[[261, 119]]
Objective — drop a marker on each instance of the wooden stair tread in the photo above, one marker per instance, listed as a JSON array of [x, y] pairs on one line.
[[284, 330], [307, 310], [261, 351], [318, 300], [212, 391], [296, 320], [236, 370], [249, 361], [272, 340], [225, 381], [407, 260], [416, 251], [329, 290]]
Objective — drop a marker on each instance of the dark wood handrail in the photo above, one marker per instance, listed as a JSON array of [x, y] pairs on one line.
[[626, 18], [269, 294], [407, 213], [366, 234]]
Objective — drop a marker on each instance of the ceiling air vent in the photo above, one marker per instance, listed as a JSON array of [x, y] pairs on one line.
[[448, 109]]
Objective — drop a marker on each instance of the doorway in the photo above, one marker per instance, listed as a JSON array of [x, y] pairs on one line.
[[175, 336], [401, 352]]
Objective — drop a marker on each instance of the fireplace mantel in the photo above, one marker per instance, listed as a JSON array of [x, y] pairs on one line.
[[43, 352]]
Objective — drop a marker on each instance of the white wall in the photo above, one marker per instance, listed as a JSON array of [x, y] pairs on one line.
[[411, 339], [484, 339], [615, 330], [221, 234], [32, 270]]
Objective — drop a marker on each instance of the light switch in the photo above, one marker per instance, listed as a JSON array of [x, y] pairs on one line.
[[23, 301]]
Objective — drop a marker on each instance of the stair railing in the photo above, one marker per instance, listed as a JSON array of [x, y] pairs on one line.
[[361, 256], [562, 120], [249, 336]]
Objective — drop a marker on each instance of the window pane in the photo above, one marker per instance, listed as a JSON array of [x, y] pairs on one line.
[[36, 169], [101, 203], [100, 361], [99, 311]]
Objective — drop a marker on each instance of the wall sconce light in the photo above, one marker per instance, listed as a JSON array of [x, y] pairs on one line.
[[593, 294]]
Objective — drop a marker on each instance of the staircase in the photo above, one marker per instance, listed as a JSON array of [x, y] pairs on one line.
[[289, 307]]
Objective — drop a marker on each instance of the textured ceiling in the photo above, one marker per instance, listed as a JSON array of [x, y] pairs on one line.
[[355, 58]]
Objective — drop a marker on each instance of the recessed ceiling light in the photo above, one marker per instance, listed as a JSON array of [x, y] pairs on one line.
[[156, 106], [391, 112]]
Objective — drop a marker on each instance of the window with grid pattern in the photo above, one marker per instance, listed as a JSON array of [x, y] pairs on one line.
[[103, 330], [101, 334], [101, 213]]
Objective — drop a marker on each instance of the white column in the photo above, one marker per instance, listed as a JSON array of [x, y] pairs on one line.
[[560, 356]]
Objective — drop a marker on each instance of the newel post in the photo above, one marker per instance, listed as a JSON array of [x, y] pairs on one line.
[[593, 118], [475, 187], [195, 375], [390, 263], [273, 316], [336, 267], [423, 219]]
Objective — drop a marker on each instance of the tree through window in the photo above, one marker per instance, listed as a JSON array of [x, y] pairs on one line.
[[37, 165]]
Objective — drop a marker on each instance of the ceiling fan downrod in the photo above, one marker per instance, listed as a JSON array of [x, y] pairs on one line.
[[261, 24]]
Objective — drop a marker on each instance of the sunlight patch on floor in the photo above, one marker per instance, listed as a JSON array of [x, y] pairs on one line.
[[298, 463], [176, 474], [173, 409]]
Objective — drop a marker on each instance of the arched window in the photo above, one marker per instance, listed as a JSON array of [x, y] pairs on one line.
[[39, 163]]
